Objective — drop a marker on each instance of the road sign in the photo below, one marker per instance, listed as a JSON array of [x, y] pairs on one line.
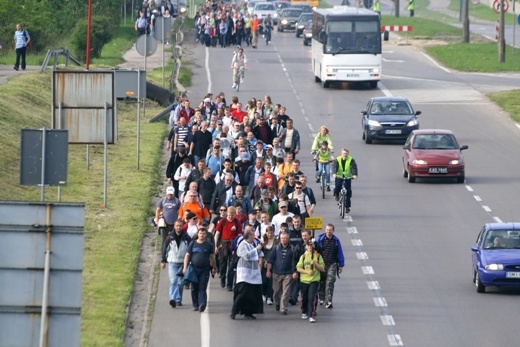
[[312, 223], [496, 5], [146, 44]]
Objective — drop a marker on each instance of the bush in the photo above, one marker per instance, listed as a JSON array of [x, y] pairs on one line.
[[101, 33]]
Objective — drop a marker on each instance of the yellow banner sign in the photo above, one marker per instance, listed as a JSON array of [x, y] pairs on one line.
[[312, 223]]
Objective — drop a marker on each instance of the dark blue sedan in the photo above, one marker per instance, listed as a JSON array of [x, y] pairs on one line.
[[496, 256]]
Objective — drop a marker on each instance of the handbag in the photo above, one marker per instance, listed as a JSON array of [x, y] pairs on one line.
[[190, 276]]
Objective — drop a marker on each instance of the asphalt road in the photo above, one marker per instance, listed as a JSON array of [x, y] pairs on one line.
[[408, 275]]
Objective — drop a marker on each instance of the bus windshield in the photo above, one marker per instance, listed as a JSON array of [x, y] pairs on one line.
[[347, 37]]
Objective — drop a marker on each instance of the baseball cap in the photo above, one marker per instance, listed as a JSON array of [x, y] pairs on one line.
[[264, 193], [282, 204], [170, 190], [245, 156], [207, 100], [269, 146]]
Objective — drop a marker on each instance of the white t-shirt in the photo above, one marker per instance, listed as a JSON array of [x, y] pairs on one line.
[[278, 219]]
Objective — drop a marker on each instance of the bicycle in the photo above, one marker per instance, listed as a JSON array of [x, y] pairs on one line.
[[238, 64], [239, 76], [342, 201], [267, 33], [323, 175]]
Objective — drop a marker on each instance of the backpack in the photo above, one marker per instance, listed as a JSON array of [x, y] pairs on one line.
[[26, 37]]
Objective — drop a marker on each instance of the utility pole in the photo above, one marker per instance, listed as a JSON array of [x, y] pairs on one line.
[[465, 20], [397, 8], [501, 38]]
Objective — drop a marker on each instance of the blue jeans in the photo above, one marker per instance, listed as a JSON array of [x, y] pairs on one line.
[[176, 286], [324, 167], [223, 40]]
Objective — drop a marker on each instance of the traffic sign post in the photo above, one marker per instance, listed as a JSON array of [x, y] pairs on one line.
[[498, 3]]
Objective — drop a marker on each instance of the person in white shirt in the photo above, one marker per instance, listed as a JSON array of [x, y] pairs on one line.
[[281, 217], [182, 173]]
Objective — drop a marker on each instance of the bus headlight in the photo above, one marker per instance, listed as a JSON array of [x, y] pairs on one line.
[[330, 70], [374, 72]]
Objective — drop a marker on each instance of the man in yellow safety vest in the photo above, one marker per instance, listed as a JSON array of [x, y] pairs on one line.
[[344, 170]]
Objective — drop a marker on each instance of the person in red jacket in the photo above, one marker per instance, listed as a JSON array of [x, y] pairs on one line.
[[226, 231]]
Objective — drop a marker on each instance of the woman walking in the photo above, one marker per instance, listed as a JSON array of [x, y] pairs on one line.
[[248, 290]]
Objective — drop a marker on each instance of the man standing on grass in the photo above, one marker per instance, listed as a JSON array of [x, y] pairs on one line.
[[21, 41]]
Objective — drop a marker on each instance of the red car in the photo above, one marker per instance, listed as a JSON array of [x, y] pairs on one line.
[[433, 153]]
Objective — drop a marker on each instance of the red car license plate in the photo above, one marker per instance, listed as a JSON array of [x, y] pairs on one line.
[[438, 170]]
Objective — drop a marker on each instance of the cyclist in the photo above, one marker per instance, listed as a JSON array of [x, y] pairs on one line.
[[322, 135], [239, 65], [268, 26], [345, 169], [324, 156]]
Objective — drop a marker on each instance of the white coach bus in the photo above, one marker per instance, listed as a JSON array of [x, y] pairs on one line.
[[346, 45]]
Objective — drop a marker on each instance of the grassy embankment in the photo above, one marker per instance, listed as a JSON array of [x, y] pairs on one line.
[[112, 234]]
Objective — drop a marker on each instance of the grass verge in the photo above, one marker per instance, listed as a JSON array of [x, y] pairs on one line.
[[113, 234], [509, 101]]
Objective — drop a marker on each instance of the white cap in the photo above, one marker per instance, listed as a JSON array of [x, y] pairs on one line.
[[170, 190]]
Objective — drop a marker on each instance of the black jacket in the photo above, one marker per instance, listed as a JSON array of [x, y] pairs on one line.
[[219, 195]]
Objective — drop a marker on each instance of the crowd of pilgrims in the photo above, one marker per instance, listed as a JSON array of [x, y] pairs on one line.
[[235, 191]]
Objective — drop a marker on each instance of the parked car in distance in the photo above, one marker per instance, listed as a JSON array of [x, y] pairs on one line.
[[263, 8], [306, 8], [433, 153], [388, 118], [300, 24], [496, 256], [307, 33], [288, 18]]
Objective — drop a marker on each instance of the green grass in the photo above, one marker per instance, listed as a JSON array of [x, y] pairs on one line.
[[509, 101], [482, 11], [422, 27], [112, 52], [481, 57], [113, 234]]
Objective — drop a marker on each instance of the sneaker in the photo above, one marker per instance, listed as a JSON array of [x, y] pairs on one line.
[[269, 301], [195, 308], [263, 298], [312, 320], [317, 179], [329, 305], [179, 303], [347, 209], [284, 312], [328, 188], [241, 80], [234, 85], [322, 302], [15, 67], [173, 303], [304, 316], [202, 308], [292, 302], [277, 307]]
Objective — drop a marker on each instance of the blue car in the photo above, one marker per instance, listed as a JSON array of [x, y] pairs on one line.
[[496, 256]]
